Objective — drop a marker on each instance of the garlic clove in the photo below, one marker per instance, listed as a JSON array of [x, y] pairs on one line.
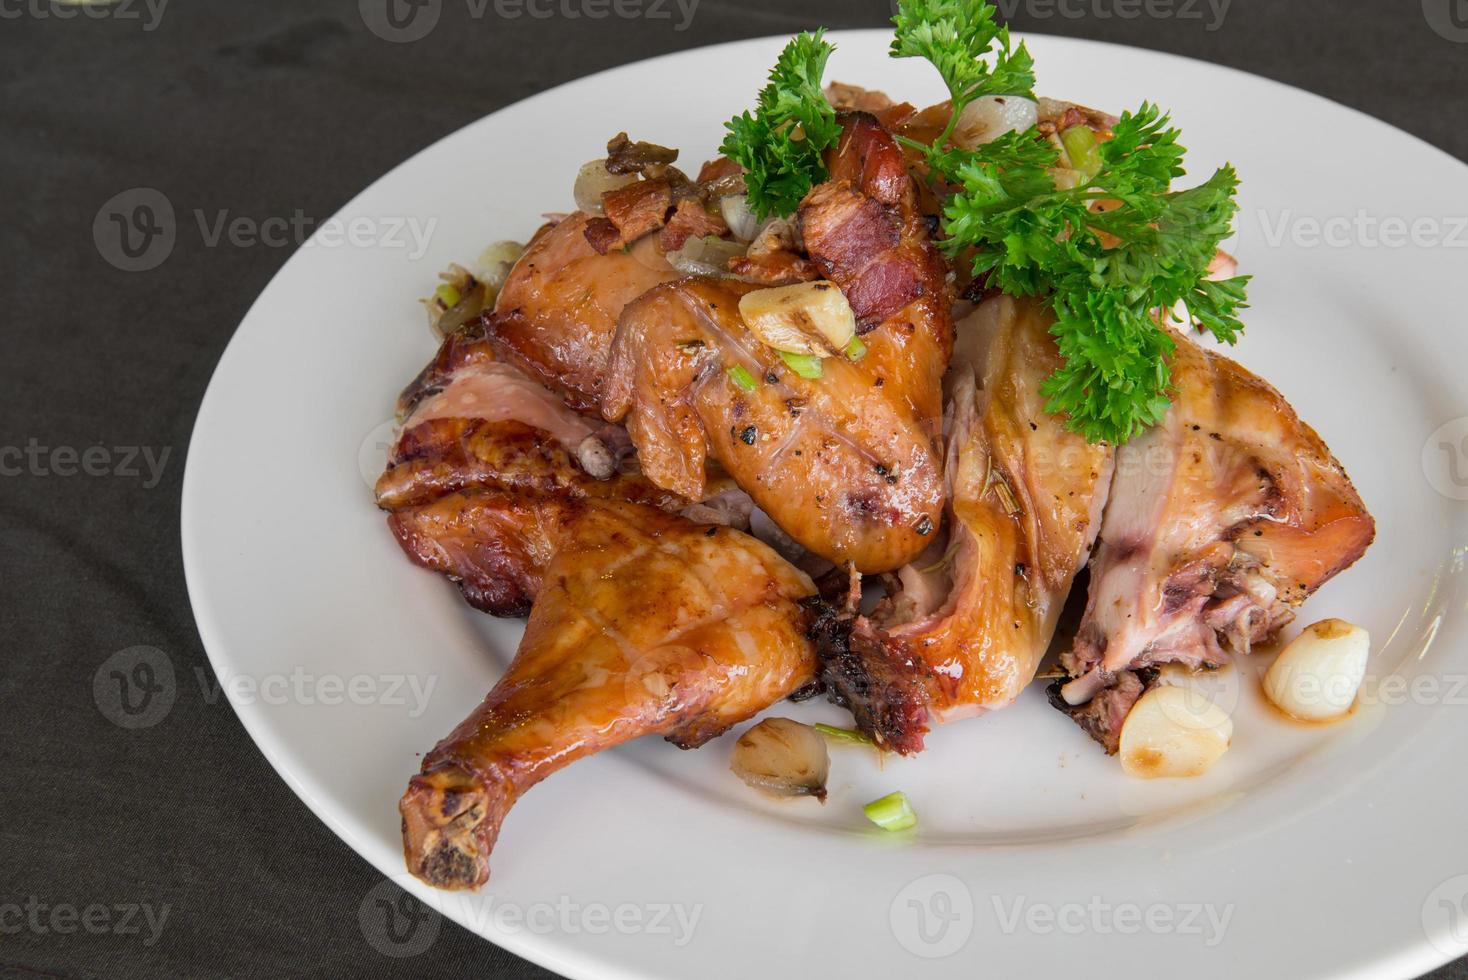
[[1173, 732], [806, 318], [1317, 675]]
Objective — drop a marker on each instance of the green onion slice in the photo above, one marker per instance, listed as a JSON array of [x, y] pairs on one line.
[[741, 377], [891, 812], [843, 734], [447, 295], [856, 350], [1083, 150], [808, 366]]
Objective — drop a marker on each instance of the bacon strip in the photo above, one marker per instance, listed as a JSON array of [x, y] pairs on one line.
[[638, 209]]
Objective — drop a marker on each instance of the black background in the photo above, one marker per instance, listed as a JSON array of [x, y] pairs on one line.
[[264, 108]]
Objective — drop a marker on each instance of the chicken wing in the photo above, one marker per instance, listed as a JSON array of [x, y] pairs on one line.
[[1222, 520], [966, 633], [646, 623]]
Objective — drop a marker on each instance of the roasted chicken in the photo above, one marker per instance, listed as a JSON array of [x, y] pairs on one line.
[[965, 633], [1222, 520], [558, 309], [591, 452], [645, 623]]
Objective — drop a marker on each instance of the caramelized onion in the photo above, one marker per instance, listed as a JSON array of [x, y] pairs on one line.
[[992, 116], [705, 256], [782, 757], [739, 217], [493, 266], [593, 180]]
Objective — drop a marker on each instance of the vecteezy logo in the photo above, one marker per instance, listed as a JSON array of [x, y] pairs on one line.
[[933, 916], [134, 688], [1449, 18], [1445, 916], [135, 230], [400, 21], [396, 923], [372, 455], [1445, 459]]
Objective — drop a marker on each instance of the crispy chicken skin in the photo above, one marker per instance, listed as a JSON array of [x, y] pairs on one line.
[[484, 456], [965, 634], [493, 544], [558, 309], [1222, 520], [446, 455], [646, 623], [849, 465]]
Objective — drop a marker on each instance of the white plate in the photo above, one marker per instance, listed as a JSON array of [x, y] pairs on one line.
[[1333, 851]]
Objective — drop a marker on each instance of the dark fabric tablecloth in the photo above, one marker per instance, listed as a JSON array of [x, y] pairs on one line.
[[266, 108]]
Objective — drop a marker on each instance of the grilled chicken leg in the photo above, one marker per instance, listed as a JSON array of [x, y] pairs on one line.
[[645, 623]]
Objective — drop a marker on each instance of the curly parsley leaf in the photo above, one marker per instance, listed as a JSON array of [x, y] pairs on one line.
[[780, 144]]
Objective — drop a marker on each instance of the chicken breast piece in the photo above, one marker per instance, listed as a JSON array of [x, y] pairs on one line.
[[966, 633], [1222, 520], [645, 623]]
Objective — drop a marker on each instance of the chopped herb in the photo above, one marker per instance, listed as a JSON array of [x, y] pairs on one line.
[[808, 366], [955, 35], [741, 377], [891, 812], [844, 734]]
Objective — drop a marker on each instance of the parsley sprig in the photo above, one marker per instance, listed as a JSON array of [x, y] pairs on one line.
[[956, 36], [1110, 256], [780, 145]]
